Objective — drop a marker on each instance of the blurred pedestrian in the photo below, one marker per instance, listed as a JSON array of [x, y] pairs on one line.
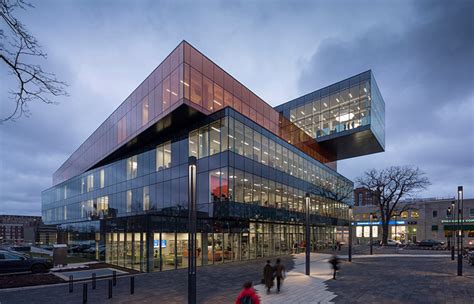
[[334, 261], [268, 276], [247, 295], [279, 273]]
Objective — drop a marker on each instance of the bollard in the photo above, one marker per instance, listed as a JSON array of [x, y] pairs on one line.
[[110, 289], [93, 280], [132, 285], [84, 293], [114, 277], [71, 286]]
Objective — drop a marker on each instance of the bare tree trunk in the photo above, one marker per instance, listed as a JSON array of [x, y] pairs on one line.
[[385, 227]]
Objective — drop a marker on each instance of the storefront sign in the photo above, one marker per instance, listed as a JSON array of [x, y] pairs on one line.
[[379, 223], [156, 243], [455, 221]]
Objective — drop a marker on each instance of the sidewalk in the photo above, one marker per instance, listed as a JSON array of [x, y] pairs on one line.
[[299, 288]]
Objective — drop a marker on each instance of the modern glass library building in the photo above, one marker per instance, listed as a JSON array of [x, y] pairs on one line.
[[122, 196]]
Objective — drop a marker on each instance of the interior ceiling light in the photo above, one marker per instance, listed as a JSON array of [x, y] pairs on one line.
[[345, 117], [325, 104], [365, 90], [350, 95], [337, 99]]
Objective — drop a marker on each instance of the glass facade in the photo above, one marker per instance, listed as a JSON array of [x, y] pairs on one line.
[[344, 109], [122, 196], [347, 118], [238, 161]]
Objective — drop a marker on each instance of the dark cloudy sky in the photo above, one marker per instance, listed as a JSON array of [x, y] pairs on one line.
[[422, 55]]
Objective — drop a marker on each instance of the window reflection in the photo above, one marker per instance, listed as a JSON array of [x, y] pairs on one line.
[[163, 156], [132, 166]]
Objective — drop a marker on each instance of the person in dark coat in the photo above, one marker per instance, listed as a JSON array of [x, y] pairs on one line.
[[268, 276], [279, 273], [334, 261]]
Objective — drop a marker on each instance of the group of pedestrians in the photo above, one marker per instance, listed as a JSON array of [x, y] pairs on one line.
[[248, 295], [270, 273]]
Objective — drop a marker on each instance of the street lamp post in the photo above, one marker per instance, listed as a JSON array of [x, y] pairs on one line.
[[370, 233], [453, 234], [460, 229], [192, 225], [350, 234], [308, 243]]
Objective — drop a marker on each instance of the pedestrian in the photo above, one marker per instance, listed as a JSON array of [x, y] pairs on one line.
[[279, 273], [334, 261], [268, 276], [247, 295]]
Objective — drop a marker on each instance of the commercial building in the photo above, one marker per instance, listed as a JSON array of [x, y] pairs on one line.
[[124, 191], [423, 219], [24, 229]]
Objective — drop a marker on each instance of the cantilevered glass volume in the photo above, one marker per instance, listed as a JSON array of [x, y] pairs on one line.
[[122, 196]]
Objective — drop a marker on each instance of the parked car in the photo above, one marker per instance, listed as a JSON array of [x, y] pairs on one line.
[[470, 257], [393, 243], [80, 248], [92, 250], [375, 242], [430, 243], [14, 262]]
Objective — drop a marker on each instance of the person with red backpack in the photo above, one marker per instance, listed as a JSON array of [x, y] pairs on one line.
[[248, 295]]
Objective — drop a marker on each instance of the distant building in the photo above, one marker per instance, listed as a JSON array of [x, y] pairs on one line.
[[24, 229], [363, 197], [424, 219]]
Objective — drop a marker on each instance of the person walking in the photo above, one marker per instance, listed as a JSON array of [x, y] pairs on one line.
[[268, 276], [247, 295], [279, 273], [334, 261]]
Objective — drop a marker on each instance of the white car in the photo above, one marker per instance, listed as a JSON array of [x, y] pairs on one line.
[[393, 243]]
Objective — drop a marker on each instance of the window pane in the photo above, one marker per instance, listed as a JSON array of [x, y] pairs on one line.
[[207, 97], [145, 107], [196, 87], [193, 143], [174, 86], [224, 136], [257, 146], [203, 142], [146, 198], [218, 97], [238, 137], [167, 154], [248, 149], [159, 157], [214, 138], [166, 93], [132, 166], [265, 150]]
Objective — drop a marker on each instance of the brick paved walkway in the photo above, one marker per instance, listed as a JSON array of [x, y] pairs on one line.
[[404, 279], [216, 284], [299, 288], [379, 279]]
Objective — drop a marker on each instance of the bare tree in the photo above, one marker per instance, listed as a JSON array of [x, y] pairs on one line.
[[389, 186], [19, 50]]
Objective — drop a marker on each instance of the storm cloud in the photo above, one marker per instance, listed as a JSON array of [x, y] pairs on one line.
[[425, 71], [421, 54]]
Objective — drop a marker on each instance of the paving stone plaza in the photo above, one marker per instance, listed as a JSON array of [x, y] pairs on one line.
[[383, 278]]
